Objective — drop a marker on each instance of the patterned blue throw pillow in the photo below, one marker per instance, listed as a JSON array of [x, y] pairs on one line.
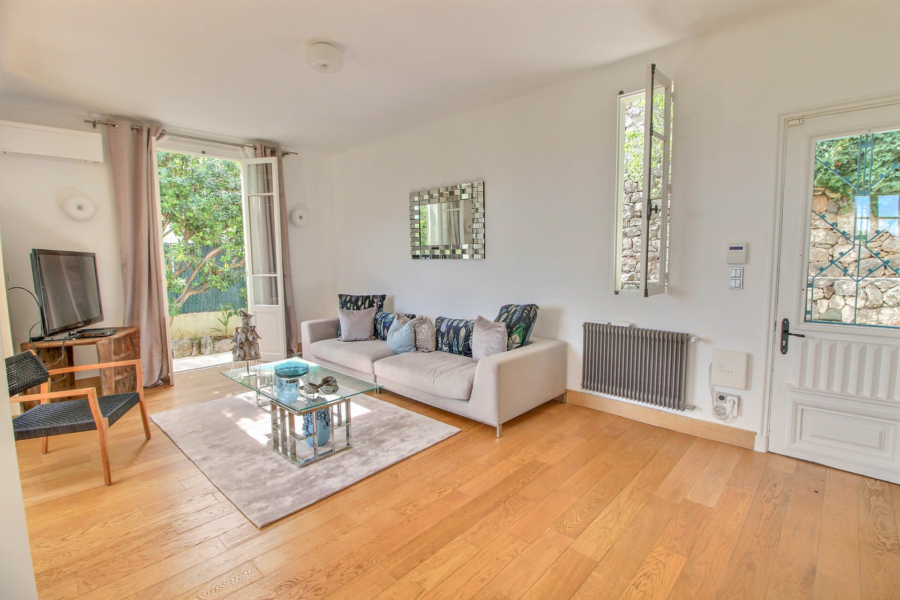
[[520, 320], [454, 335], [349, 302], [383, 322]]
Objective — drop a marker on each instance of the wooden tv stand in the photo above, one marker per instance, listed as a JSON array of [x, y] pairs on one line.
[[125, 344]]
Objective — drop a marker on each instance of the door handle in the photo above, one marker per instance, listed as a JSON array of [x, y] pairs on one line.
[[786, 334]]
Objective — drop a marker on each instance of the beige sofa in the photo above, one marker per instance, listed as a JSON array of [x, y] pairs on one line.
[[492, 390]]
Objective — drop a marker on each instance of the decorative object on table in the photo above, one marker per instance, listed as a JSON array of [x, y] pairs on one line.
[[327, 386], [246, 341], [357, 325], [454, 335], [520, 320], [351, 302], [488, 338], [448, 222], [323, 427], [402, 336], [288, 380]]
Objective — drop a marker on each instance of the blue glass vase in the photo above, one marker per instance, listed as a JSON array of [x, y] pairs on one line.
[[288, 381], [323, 426]]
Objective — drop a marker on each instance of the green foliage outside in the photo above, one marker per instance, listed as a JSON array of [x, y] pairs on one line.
[[842, 155], [200, 200], [634, 149], [225, 314], [634, 144]]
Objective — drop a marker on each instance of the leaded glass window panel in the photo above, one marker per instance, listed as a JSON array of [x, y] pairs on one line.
[[854, 249]]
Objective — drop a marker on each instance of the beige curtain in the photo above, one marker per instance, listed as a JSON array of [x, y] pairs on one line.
[[290, 311], [136, 183]]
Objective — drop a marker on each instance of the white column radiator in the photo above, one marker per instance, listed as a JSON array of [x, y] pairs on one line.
[[646, 365]]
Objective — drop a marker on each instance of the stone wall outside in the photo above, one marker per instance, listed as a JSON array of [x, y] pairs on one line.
[[833, 296]]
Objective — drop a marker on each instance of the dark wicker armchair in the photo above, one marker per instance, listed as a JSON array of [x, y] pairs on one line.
[[82, 410]]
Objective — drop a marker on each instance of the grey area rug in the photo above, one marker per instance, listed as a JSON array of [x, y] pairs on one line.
[[230, 441]]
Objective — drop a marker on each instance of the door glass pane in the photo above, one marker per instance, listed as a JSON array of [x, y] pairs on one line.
[[259, 179], [656, 163], [631, 180], [262, 235], [854, 253], [265, 290], [659, 109]]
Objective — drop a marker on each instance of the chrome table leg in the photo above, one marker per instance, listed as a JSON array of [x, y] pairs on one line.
[[292, 438]]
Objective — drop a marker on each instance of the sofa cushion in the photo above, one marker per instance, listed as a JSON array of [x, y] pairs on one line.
[[454, 335], [402, 336], [488, 339], [350, 302], [438, 373], [383, 322], [520, 320], [355, 355], [357, 325], [425, 334]]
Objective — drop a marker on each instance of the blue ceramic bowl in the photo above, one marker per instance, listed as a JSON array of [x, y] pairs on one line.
[[293, 371]]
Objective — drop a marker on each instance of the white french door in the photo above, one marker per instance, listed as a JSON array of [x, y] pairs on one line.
[[835, 396], [262, 238]]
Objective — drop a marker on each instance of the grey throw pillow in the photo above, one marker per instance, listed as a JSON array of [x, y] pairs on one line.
[[489, 338], [425, 334], [357, 325]]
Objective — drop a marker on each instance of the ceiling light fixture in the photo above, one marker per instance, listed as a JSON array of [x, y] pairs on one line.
[[325, 57]]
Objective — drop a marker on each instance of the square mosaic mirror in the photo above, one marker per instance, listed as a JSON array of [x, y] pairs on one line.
[[448, 222]]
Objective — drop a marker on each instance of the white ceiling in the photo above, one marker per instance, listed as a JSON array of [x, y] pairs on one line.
[[237, 67]]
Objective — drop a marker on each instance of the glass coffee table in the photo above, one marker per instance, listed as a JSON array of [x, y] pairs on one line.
[[317, 413]]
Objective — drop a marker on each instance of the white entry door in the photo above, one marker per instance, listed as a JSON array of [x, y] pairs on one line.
[[836, 391], [262, 237]]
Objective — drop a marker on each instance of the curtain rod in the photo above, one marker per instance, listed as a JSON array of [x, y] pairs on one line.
[[96, 122]]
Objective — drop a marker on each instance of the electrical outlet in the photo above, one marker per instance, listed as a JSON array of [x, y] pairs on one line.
[[726, 405], [723, 398]]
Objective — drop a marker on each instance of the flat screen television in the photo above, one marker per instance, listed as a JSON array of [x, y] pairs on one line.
[[67, 289]]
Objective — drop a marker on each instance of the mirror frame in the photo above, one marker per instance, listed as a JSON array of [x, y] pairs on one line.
[[473, 191]]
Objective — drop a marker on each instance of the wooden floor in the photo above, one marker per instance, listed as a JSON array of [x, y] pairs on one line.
[[570, 503]]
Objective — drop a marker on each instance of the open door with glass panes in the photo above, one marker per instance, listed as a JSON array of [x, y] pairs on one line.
[[262, 235]]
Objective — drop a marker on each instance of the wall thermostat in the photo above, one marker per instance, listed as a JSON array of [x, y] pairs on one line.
[[737, 253]]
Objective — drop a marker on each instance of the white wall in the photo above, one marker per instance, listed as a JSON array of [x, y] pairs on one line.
[[307, 184], [548, 162], [31, 192]]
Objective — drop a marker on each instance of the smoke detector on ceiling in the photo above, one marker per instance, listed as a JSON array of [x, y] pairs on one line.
[[325, 57]]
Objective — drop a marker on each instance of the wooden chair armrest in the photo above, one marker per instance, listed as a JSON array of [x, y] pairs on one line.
[[68, 394], [121, 363]]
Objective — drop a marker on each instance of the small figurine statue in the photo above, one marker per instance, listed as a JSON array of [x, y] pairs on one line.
[[246, 340]]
